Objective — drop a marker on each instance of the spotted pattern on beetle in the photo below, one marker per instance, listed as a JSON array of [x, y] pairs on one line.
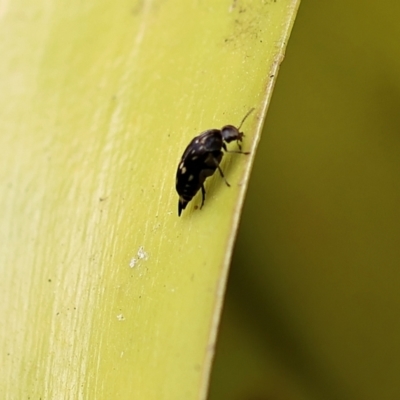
[[202, 158]]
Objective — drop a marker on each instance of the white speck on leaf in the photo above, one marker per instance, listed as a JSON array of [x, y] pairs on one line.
[[141, 255], [120, 317], [133, 262]]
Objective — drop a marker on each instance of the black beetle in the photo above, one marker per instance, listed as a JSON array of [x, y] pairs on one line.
[[202, 157]]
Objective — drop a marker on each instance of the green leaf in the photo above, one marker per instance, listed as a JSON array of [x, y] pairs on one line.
[[106, 292]]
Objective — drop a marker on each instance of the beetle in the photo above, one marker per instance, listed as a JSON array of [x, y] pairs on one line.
[[202, 157]]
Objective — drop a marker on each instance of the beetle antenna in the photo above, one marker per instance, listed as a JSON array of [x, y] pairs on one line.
[[244, 118]]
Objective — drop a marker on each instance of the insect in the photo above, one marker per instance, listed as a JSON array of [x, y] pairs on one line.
[[202, 157]]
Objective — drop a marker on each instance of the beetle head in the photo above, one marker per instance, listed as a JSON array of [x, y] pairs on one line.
[[230, 133]]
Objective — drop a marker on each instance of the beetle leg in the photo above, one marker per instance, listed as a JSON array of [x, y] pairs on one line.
[[215, 161], [235, 151], [238, 151], [203, 195], [222, 174]]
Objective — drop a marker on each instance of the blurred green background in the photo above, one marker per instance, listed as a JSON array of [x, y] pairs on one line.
[[313, 301]]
